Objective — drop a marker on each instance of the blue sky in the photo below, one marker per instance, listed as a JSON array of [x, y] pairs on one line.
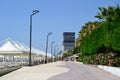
[[56, 16]]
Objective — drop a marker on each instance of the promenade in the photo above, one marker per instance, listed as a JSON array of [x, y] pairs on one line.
[[60, 71]]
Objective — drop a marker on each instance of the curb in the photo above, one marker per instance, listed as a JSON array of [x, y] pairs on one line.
[[113, 70]]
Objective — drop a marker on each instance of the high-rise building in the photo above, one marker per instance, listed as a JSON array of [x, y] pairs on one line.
[[68, 41]]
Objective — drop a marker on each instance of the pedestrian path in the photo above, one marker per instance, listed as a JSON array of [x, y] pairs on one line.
[[60, 71], [40, 72], [80, 71]]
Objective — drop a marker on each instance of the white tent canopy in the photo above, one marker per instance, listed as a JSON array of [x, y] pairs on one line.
[[14, 50], [10, 46]]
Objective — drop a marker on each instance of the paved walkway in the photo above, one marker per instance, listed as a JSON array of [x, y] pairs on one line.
[[84, 72], [40, 72], [60, 71]]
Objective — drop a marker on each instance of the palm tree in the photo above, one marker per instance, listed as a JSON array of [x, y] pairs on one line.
[[102, 14], [106, 14]]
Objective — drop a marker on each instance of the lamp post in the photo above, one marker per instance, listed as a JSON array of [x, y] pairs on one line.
[[55, 52], [52, 50], [34, 12], [47, 46]]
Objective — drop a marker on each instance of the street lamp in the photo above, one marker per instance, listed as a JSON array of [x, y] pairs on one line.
[[34, 12], [55, 52], [52, 50], [47, 46]]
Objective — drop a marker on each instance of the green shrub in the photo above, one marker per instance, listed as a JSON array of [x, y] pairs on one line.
[[105, 38]]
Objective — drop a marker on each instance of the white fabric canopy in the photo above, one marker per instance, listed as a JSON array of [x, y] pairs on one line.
[[10, 46]]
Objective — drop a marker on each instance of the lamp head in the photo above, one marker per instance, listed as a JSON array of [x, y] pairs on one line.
[[35, 11], [50, 33]]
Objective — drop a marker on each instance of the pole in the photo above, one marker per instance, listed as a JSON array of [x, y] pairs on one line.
[[30, 40], [55, 52], [34, 12], [52, 50], [46, 49], [47, 46]]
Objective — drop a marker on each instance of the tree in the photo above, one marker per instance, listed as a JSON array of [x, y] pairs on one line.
[[106, 14], [86, 30], [105, 38]]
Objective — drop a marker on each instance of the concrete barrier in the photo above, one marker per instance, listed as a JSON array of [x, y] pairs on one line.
[[113, 70]]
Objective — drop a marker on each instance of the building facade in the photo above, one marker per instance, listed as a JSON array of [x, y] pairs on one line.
[[68, 41]]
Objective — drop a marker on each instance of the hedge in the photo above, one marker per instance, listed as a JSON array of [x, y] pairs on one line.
[[106, 38]]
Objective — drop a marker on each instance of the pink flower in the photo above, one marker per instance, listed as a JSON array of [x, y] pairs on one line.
[[110, 61], [112, 55], [96, 58], [109, 56], [104, 61], [102, 57]]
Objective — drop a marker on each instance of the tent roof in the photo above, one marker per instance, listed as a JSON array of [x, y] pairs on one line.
[[21, 46], [9, 45]]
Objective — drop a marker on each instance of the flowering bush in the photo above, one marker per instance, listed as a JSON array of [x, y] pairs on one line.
[[110, 59]]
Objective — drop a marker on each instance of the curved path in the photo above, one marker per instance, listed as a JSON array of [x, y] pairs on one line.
[[84, 72], [40, 72], [60, 71]]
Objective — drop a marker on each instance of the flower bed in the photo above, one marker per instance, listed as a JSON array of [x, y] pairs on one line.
[[109, 59]]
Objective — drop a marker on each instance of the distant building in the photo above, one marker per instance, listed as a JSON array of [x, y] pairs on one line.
[[68, 41]]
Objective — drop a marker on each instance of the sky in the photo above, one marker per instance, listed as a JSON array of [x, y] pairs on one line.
[[56, 16]]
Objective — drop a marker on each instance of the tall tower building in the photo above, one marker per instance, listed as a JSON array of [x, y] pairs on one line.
[[68, 41]]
